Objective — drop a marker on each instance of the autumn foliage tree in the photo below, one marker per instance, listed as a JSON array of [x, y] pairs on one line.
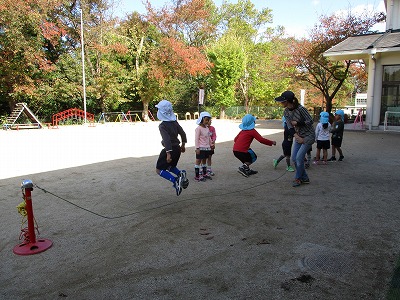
[[310, 64], [24, 32], [184, 27]]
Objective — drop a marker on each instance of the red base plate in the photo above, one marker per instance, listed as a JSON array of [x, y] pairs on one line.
[[33, 248]]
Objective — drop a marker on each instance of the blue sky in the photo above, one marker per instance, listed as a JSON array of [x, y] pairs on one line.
[[296, 16]]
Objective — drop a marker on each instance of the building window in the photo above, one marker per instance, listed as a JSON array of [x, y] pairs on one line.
[[390, 100]]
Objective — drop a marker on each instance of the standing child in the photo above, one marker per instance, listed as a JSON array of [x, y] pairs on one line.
[[322, 132], [213, 135], [168, 159], [286, 147], [337, 135], [242, 142], [203, 144]]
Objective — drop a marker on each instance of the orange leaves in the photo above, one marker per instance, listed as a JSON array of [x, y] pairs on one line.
[[183, 26], [52, 32], [117, 48], [190, 58], [176, 59]]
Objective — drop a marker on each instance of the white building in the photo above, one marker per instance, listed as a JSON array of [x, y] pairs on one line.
[[360, 102], [381, 54]]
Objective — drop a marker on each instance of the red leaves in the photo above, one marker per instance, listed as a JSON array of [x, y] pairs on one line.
[[182, 26], [176, 59]]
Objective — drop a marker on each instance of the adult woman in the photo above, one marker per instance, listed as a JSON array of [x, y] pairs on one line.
[[300, 125]]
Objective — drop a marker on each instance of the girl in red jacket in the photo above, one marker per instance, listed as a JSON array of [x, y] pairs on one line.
[[242, 142]]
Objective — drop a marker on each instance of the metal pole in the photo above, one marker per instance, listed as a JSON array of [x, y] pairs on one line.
[[83, 68], [31, 245], [27, 185]]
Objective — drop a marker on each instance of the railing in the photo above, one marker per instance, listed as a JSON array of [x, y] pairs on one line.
[[70, 114]]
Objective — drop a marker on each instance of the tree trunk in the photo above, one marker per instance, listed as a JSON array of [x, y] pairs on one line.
[[328, 101], [222, 113], [145, 112]]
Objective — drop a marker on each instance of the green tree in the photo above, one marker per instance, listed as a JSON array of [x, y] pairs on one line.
[[309, 63], [229, 60], [141, 39], [264, 72]]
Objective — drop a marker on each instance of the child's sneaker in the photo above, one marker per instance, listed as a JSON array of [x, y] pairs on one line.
[[251, 172], [296, 183], [307, 165], [332, 159], [305, 180], [341, 158], [210, 172], [243, 171], [316, 162], [178, 185], [289, 169], [275, 163], [207, 176], [199, 178], [185, 181], [323, 162]]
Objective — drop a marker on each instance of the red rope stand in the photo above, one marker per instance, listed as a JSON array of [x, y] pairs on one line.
[[30, 245]]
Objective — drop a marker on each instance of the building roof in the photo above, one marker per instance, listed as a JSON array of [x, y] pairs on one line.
[[358, 47]]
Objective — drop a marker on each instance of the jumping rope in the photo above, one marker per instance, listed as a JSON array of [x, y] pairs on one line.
[[157, 207]]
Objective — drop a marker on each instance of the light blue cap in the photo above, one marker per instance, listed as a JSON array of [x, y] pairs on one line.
[[340, 113], [248, 122], [324, 117]]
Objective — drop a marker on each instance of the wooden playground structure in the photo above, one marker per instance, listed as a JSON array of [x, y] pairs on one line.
[[22, 118]]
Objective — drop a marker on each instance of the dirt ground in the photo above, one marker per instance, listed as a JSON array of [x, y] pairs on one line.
[[120, 232]]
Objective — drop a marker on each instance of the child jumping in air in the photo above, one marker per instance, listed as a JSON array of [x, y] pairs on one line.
[[286, 147], [322, 132], [337, 135], [213, 135], [169, 156], [242, 142], [203, 144]]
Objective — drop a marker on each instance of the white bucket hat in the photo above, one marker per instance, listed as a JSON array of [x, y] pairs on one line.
[[202, 115], [165, 111]]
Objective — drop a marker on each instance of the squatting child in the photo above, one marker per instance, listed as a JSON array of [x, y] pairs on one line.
[[242, 142]]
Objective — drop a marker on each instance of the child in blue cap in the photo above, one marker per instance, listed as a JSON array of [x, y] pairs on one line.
[[286, 148], [242, 142], [169, 156], [322, 133], [337, 135]]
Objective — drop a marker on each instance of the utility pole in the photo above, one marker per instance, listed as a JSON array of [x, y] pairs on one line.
[[83, 68]]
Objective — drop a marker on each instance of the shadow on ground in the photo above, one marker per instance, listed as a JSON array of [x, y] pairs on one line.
[[120, 232]]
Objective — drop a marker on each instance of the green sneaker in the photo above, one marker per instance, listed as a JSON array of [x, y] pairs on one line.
[[290, 169], [275, 163]]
